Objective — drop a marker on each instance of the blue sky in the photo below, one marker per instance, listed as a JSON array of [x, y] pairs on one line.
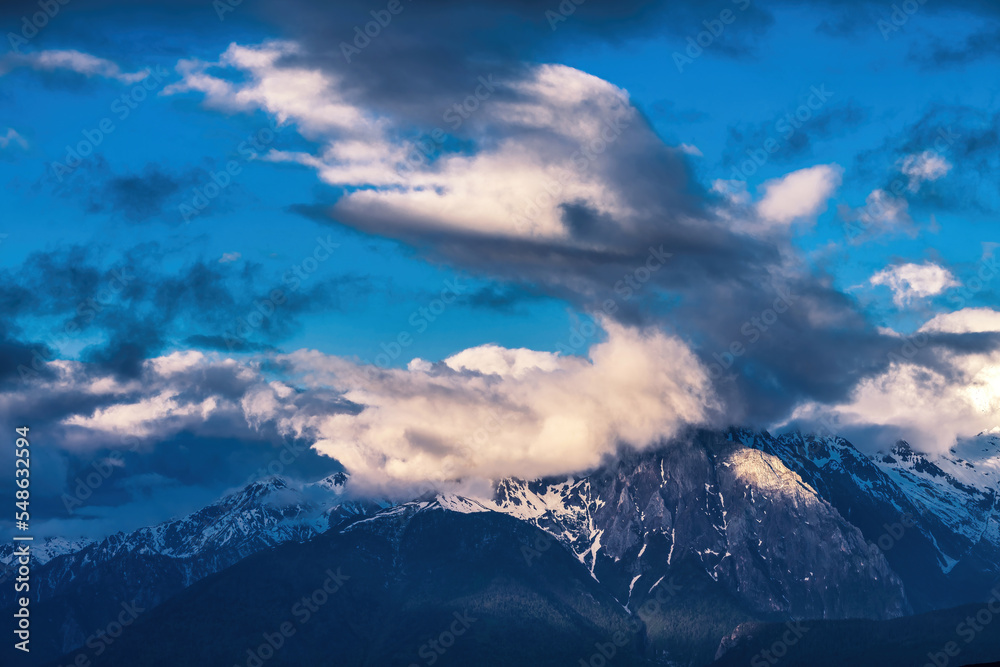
[[719, 91], [588, 148], [170, 135]]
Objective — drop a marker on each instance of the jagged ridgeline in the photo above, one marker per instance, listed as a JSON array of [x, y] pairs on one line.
[[697, 551]]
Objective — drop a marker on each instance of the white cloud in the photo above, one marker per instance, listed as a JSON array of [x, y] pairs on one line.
[[144, 417], [552, 137], [309, 97], [162, 402], [12, 137], [182, 391], [800, 195], [74, 61], [356, 149], [929, 408], [913, 281], [967, 320], [885, 211], [482, 413], [491, 412], [229, 257], [734, 192], [496, 360], [922, 167], [514, 186]]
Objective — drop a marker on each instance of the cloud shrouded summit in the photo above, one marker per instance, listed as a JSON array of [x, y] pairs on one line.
[[489, 412], [556, 157]]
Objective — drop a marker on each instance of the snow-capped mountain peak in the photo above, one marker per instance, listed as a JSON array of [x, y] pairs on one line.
[[44, 550]]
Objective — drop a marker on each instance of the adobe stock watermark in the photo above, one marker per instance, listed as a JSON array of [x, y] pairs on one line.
[[432, 650], [968, 630], [122, 107], [752, 331], [301, 613], [987, 271], [265, 308], [714, 28], [605, 652], [363, 36], [632, 282], [913, 344], [894, 532], [899, 16], [223, 7], [909, 348], [86, 311], [786, 126], [582, 159], [33, 23], [429, 143], [102, 639], [249, 150], [562, 13], [531, 551], [583, 332], [629, 285], [96, 474], [780, 647], [884, 203], [419, 320]]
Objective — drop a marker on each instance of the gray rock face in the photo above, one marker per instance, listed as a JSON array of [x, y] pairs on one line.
[[737, 514], [935, 518]]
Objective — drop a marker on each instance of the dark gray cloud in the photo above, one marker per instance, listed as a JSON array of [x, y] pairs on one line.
[[151, 194], [502, 298], [968, 137], [447, 45], [712, 286], [227, 344], [984, 43], [141, 196], [830, 122], [853, 18], [139, 310], [709, 291], [721, 288], [94, 462], [439, 35], [14, 352]]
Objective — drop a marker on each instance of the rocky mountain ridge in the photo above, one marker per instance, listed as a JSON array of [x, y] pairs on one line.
[[772, 527]]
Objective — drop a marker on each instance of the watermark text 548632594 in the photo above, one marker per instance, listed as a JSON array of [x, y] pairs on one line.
[[22, 554]]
